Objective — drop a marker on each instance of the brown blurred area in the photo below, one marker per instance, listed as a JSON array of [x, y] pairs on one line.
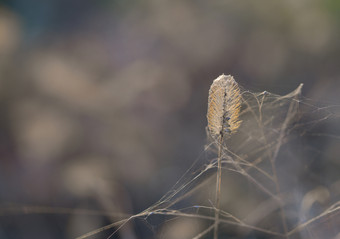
[[103, 103]]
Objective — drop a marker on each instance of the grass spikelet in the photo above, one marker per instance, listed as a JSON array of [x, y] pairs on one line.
[[224, 104]]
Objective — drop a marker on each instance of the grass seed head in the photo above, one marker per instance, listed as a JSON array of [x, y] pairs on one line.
[[224, 103]]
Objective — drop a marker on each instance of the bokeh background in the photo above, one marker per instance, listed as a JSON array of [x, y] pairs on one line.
[[103, 103]]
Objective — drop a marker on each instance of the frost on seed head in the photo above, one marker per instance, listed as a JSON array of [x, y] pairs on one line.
[[224, 103]]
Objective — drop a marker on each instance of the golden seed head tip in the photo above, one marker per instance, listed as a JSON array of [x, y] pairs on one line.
[[224, 104]]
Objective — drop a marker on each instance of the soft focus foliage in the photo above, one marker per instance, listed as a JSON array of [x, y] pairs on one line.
[[103, 103]]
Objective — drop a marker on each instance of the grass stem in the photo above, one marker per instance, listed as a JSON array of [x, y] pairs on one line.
[[218, 187]]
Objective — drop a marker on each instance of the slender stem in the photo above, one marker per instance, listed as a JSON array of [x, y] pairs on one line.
[[218, 187], [289, 116], [281, 204]]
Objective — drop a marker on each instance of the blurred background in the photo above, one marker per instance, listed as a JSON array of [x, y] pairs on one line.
[[103, 103]]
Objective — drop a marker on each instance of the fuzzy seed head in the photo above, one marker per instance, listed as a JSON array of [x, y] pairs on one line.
[[224, 103]]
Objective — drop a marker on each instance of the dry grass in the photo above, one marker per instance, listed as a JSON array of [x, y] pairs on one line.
[[254, 153], [256, 159], [224, 103]]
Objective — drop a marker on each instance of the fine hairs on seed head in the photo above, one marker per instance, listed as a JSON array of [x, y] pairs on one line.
[[224, 103]]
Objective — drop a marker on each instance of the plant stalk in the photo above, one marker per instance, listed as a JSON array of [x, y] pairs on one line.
[[218, 187]]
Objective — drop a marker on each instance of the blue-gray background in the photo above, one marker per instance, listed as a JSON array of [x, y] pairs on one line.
[[102, 103]]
